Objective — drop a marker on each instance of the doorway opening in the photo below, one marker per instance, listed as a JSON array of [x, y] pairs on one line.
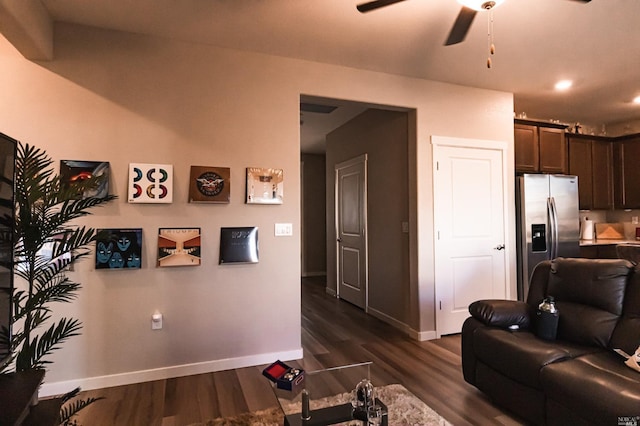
[[382, 134]]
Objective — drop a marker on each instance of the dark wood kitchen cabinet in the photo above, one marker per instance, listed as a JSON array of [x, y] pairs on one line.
[[626, 153], [602, 163], [540, 147], [591, 159], [604, 251]]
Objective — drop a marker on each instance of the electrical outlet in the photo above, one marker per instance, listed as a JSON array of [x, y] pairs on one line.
[[156, 321], [283, 229]]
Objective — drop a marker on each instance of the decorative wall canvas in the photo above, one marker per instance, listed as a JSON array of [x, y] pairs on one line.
[[73, 171], [264, 186], [238, 245], [119, 248], [150, 183], [210, 184], [178, 247]]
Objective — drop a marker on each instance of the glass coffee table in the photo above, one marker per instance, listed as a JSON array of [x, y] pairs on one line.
[[331, 396]]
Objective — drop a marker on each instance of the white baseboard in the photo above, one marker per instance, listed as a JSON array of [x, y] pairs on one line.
[[331, 292], [414, 334], [99, 382], [421, 336]]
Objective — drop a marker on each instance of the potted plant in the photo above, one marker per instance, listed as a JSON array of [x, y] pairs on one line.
[[46, 245]]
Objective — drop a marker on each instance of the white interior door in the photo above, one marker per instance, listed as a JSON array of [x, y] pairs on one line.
[[351, 230], [470, 210]]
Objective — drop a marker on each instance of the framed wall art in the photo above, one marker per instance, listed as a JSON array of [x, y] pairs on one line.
[[238, 245], [150, 183], [119, 248], [178, 247], [73, 171], [264, 186], [209, 184]]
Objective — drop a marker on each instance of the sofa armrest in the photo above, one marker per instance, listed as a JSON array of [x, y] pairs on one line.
[[501, 313]]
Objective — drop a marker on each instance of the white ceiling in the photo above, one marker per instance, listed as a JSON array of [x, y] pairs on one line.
[[596, 44]]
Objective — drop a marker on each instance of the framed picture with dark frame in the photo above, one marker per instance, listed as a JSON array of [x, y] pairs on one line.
[[210, 184], [73, 171], [238, 245]]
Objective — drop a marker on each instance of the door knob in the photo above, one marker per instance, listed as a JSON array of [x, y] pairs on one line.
[[339, 240], [500, 247]]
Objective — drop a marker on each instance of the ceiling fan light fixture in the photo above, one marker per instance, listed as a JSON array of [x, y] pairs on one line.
[[480, 4]]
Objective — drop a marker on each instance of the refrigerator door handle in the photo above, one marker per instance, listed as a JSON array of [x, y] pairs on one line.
[[553, 222]]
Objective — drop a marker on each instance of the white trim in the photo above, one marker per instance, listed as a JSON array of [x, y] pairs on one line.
[[389, 320], [469, 143], [303, 252], [99, 382], [422, 336], [414, 334]]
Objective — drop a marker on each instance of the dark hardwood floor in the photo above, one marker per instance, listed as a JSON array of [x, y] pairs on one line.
[[333, 333]]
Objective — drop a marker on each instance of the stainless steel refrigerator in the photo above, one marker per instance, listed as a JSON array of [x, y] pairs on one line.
[[548, 222]]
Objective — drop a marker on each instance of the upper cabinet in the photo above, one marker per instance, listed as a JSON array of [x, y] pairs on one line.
[[607, 168], [602, 163], [590, 158], [540, 147], [626, 152]]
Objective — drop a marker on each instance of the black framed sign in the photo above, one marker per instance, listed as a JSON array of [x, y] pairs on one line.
[[238, 245]]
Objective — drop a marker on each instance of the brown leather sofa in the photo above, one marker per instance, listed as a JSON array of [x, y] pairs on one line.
[[576, 379]]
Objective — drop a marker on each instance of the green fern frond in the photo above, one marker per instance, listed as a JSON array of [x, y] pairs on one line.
[[32, 355], [71, 409]]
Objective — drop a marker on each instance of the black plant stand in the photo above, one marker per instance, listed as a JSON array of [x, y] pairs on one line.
[[19, 393]]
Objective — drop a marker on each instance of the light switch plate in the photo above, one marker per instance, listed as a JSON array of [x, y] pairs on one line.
[[283, 229]]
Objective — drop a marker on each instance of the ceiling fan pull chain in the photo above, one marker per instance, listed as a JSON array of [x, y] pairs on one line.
[[492, 47]]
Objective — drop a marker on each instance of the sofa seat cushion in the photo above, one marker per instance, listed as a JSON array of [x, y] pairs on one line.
[[520, 355], [598, 387]]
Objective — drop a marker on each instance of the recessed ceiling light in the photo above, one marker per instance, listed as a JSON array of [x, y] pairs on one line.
[[563, 84], [636, 100]]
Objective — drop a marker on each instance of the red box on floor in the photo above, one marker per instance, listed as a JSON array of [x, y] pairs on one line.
[[283, 376]]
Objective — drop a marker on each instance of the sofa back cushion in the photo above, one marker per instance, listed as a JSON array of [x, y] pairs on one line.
[[626, 335], [589, 294]]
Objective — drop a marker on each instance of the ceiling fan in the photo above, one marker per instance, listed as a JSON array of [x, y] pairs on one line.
[[463, 22]]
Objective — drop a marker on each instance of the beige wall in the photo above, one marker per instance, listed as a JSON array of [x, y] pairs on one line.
[[313, 223], [130, 98], [383, 136]]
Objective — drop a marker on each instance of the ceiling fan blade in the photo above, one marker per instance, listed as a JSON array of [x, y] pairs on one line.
[[461, 26], [375, 4]]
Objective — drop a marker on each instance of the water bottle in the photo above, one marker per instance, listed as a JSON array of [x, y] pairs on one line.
[[547, 319]]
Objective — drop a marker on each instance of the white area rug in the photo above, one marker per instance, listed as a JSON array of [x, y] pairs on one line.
[[404, 409]]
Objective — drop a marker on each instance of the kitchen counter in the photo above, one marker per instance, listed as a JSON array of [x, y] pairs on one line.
[[606, 242], [610, 249]]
